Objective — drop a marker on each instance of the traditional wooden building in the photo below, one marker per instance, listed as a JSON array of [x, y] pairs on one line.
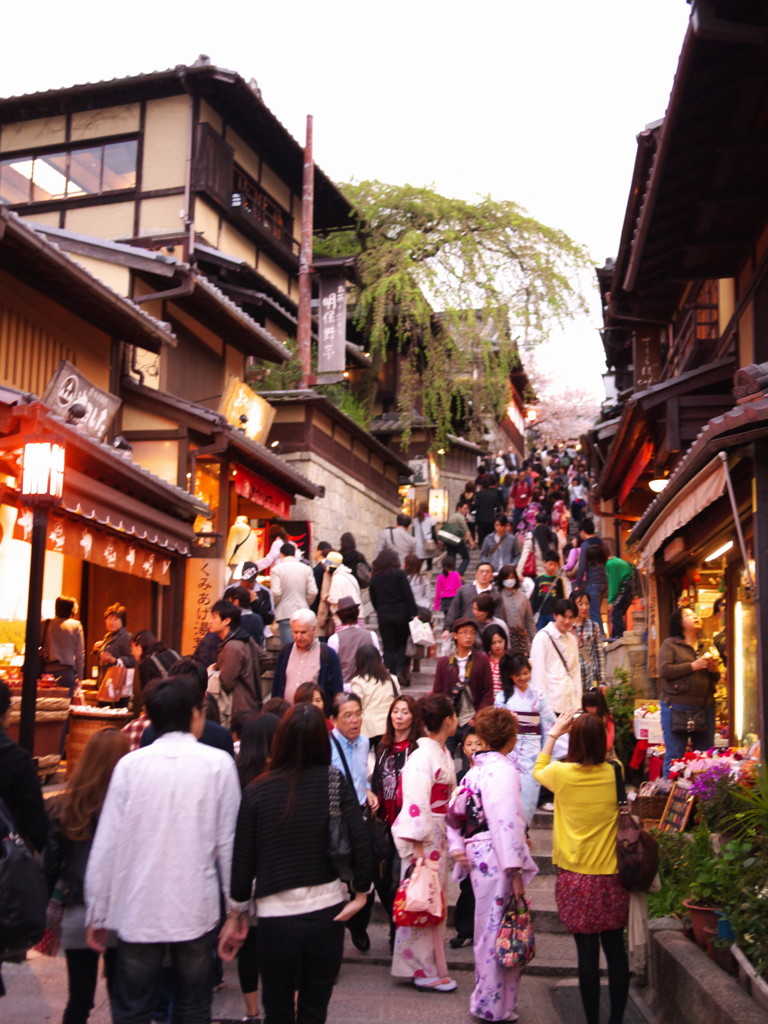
[[182, 190], [685, 332]]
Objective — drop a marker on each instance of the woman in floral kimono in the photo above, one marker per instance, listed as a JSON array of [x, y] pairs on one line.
[[534, 722], [486, 836], [428, 779]]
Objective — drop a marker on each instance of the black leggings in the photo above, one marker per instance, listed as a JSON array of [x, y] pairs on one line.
[[82, 973], [588, 949]]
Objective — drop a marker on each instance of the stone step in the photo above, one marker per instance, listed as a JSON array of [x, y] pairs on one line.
[[555, 953]]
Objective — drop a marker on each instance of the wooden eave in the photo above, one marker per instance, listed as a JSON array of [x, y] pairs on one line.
[[29, 256], [239, 103], [698, 206]]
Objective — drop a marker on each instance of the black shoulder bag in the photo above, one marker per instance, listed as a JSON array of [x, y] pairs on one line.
[[23, 891]]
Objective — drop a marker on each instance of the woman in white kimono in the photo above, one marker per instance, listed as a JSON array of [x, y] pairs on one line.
[[534, 722], [428, 779], [486, 836]]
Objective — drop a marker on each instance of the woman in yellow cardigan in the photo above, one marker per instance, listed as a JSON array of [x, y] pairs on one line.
[[590, 900]]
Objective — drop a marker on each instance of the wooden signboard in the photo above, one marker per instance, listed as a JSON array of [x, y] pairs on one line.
[[678, 808]]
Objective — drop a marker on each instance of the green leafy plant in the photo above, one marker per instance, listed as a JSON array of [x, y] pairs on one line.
[[621, 704], [747, 908], [453, 289], [718, 875], [750, 814], [677, 867]]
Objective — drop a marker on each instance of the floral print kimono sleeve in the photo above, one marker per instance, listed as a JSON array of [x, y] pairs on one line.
[[414, 823], [506, 818]]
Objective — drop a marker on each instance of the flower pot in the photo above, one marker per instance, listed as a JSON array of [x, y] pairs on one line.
[[749, 980], [702, 918]]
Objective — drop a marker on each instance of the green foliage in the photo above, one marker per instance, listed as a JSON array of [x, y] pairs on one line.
[[750, 814], [277, 377], [678, 863], [497, 279], [747, 908], [346, 401], [718, 875], [621, 704]]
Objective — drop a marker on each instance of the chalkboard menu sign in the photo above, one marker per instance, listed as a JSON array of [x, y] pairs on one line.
[[678, 808]]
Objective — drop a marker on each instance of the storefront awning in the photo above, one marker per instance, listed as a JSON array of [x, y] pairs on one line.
[[696, 495]]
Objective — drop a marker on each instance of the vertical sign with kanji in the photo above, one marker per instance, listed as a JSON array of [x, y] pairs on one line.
[[332, 325], [204, 584]]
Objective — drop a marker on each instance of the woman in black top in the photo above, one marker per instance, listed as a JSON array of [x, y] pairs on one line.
[[281, 841], [153, 660], [352, 557], [393, 600], [65, 861], [400, 737]]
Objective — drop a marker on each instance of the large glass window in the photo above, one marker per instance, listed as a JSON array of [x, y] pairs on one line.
[[69, 174]]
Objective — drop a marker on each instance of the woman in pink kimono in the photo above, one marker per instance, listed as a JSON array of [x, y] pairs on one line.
[[428, 779], [486, 836]]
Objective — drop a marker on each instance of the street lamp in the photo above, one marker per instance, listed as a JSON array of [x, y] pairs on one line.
[[42, 484]]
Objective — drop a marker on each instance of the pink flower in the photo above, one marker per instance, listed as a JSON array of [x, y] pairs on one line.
[[434, 855], [414, 811]]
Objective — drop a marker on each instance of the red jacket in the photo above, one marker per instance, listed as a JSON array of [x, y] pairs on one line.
[[480, 683], [521, 494]]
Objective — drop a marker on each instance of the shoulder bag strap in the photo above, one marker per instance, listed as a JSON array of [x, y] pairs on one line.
[[559, 653], [621, 793], [347, 772]]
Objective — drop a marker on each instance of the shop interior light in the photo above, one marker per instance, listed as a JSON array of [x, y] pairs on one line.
[[658, 485], [719, 551], [738, 654]]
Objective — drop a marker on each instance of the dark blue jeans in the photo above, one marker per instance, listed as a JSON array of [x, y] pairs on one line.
[[676, 742], [595, 595], [137, 974]]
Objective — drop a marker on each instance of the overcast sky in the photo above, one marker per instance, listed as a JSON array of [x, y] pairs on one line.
[[537, 102]]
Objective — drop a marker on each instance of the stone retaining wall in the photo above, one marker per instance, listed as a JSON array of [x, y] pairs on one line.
[[686, 987]]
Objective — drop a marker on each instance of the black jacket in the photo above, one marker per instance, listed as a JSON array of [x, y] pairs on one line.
[[20, 791], [284, 849], [65, 861]]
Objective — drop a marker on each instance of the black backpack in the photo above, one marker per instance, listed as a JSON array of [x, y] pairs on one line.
[[261, 604]]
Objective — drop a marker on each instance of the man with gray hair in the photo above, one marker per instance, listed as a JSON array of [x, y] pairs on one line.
[[306, 660]]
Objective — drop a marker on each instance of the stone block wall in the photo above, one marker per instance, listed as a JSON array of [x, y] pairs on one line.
[[631, 654], [346, 506]]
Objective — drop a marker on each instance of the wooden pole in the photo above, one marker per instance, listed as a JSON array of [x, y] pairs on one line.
[[304, 331]]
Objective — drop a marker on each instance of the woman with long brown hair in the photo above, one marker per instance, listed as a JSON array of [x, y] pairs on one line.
[[65, 860], [281, 841]]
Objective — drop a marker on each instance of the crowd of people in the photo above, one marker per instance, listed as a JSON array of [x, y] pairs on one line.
[[232, 819]]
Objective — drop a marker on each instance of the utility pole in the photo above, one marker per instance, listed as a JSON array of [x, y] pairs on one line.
[[304, 331]]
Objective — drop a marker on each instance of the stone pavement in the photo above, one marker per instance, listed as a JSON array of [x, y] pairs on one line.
[[365, 994]]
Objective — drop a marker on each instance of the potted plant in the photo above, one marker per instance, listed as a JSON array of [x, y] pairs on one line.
[[715, 882]]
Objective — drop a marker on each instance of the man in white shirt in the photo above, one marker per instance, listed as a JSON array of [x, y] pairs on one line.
[[555, 664], [293, 587], [162, 857]]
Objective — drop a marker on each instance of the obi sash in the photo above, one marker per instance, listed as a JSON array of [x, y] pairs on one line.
[[438, 800], [528, 722]]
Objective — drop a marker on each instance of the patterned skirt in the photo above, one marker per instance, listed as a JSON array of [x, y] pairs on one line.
[[588, 904]]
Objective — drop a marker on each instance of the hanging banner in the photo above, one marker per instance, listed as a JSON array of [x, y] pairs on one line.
[[91, 543], [261, 492], [332, 325]]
